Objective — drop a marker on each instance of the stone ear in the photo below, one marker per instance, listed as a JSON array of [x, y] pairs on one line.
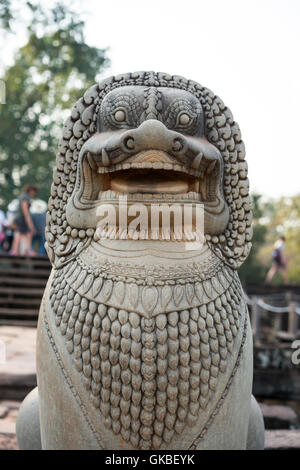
[[64, 242], [233, 246]]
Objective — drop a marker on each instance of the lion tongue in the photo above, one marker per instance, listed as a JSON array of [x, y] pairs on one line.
[[150, 184]]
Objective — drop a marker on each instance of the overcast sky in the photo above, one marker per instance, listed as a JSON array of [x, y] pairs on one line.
[[246, 51]]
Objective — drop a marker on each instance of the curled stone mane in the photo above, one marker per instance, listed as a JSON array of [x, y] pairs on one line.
[[64, 242]]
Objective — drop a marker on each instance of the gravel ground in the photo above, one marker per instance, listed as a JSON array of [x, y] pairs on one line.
[[8, 415], [17, 368]]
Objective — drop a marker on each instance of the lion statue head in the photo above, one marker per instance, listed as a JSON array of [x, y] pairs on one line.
[[106, 148]]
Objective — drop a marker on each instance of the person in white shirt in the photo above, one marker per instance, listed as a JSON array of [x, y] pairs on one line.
[[279, 261]]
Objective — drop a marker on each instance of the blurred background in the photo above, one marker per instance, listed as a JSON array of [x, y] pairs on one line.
[[247, 52]]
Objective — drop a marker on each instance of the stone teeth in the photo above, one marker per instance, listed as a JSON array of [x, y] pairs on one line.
[[103, 169], [107, 168], [211, 167], [177, 168], [168, 166], [136, 165], [109, 194], [105, 158], [158, 165], [191, 195], [197, 160]]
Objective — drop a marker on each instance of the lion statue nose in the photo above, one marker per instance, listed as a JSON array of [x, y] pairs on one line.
[[153, 134]]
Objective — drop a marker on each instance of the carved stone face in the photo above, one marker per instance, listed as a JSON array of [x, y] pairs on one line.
[[150, 146], [154, 138]]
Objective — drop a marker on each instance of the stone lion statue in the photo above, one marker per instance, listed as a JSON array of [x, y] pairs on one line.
[[145, 342]]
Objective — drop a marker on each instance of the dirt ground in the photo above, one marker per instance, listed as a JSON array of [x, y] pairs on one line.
[[17, 365]]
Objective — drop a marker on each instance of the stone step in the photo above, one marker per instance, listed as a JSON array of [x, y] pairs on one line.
[[279, 417], [18, 373], [282, 439], [7, 427]]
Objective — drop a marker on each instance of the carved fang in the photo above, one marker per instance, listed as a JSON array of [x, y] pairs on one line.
[[105, 158], [197, 161]]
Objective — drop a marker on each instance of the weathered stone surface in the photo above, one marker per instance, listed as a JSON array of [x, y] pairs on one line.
[[256, 431], [28, 423], [144, 338]]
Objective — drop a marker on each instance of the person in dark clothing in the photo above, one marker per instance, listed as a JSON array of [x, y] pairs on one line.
[[39, 221], [24, 225]]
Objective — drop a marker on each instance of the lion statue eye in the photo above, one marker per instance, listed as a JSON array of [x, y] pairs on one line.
[[120, 115], [184, 119]]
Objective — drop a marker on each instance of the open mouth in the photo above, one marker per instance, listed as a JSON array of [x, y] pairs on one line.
[[151, 178], [150, 175]]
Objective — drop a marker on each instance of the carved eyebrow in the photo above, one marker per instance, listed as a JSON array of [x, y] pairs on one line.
[[124, 98], [128, 102], [184, 106]]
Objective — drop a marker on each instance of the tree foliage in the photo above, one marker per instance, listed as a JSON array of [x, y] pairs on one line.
[[6, 15], [49, 74], [282, 217], [272, 219], [253, 270]]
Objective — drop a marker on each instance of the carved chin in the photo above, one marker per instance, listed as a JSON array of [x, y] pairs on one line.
[[149, 177]]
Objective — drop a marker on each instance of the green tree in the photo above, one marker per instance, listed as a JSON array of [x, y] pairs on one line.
[[282, 217], [6, 15], [49, 74], [253, 270]]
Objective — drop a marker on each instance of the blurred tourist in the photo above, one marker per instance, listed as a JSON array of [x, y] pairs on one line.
[[38, 214], [2, 226], [279, 262], [23, 222], [5, 233]]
